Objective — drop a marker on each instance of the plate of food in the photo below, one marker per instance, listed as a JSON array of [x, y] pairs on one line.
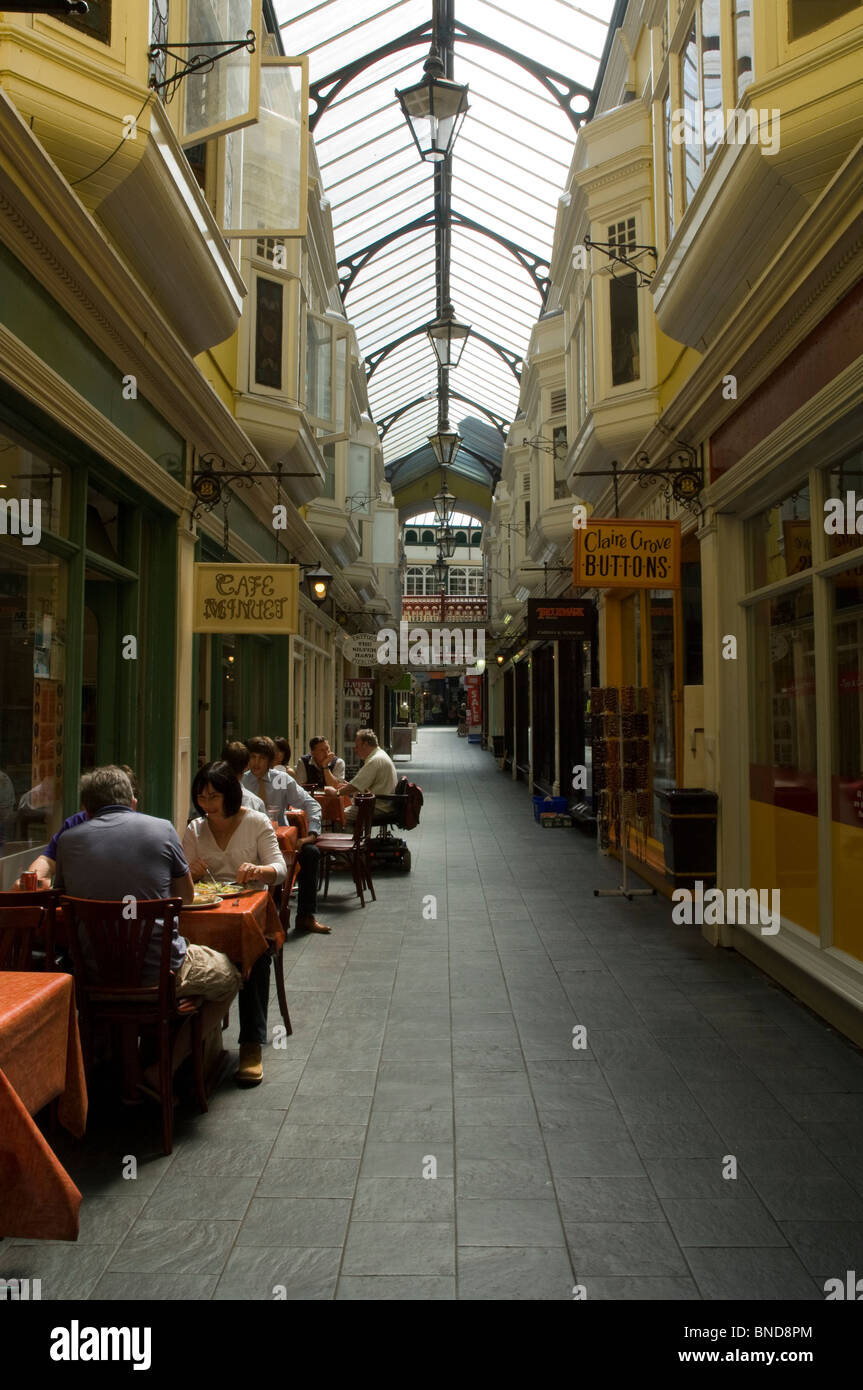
[[202, 899], [232, 890]]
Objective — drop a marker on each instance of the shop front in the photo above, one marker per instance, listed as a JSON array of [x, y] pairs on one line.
[[86, 659], [650, 650]]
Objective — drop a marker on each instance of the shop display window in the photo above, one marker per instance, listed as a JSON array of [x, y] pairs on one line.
[[843, 520], [31, 477], [780, 540], [784, 725], [33, 603], [846, 605]]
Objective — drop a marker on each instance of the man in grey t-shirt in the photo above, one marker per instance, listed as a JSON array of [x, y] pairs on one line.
[[119, 852]]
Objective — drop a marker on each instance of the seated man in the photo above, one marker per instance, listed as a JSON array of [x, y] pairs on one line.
[[377, 774], [116, 852], [45, 864], [279, 792], [320, 767]]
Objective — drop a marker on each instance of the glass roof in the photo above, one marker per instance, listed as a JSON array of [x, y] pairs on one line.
[[509, 167], [457, 519]]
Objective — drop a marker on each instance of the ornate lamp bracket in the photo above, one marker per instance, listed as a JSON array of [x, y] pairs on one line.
[[681, 474], [197, 62], [214, 480], [620, 255]]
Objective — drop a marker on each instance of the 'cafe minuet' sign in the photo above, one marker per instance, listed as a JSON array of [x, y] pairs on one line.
[[626, 554], [246, 598]]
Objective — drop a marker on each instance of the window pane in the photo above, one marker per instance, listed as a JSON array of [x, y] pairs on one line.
[[223, 95], [29, 478], [319, 385], [623, 306], [743, 45], [847, 770], [96, 22], [360, 477], [780, 540], [267, 160], [329, 452], [807, 15], [669, 164], [33, 600], [711, 75], [268, 333], [783, 772], [843, 520], [692, 167]]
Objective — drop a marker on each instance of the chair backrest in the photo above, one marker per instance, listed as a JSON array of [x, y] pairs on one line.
[[109, 946], [365, 804], [19, 928], [46, 900]]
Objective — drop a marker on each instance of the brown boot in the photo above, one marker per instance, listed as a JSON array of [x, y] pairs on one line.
[[250, 1072], [308, 922]]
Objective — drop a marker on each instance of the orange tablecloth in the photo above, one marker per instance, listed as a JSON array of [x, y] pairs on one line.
[[40, 1060], [241, 927]]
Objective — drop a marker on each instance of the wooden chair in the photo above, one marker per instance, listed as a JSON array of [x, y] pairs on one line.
[[109, 952], [352, 848], [20, 930], [278, 954], [43, 934]]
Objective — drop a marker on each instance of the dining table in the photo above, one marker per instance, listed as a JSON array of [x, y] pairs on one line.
[[40, 1062], [244, 928]]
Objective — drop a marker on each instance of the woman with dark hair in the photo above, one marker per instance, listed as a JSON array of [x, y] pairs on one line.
[[283, 756], [230, 841], [233, 842]]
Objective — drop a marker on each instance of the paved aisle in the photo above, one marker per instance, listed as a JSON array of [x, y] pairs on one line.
[[446, 1045]]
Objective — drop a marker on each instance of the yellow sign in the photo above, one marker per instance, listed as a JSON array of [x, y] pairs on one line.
[[626, 554], [246, 598]]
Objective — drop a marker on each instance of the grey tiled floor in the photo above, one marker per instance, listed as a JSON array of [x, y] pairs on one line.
[[430, 1132]]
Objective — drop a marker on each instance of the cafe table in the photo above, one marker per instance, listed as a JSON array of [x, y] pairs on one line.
[[243, 928], [40, 1061]]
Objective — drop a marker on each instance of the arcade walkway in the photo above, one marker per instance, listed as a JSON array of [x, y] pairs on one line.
[[447, 1044]]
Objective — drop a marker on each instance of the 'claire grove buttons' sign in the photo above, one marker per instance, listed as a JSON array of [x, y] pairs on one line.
[[608, 554], [246, 598]]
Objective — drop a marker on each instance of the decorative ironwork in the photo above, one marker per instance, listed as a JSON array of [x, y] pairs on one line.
[[682, 475], [201, 62], [358, 501], [615, 254], [213, 483]]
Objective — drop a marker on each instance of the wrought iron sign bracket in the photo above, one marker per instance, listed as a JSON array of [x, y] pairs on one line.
[[358, 501], [619, 255], [200, 62], [682, 475], [213, 482]]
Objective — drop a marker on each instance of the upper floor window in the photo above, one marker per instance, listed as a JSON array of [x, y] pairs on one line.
[[743, 74], [415, 580], [411, 538], [96, 22], [461, 537], [428, 538], [623, 310], [804, 16], [476, 538]]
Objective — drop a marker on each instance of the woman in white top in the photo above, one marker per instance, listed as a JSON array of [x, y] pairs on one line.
[[230, 841], [235, 843]]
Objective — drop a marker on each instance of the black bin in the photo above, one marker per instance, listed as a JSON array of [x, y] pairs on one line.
[[689, 834], [499, 744]]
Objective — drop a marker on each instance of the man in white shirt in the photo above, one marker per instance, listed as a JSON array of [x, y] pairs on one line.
[[377, 774], [278, 791]]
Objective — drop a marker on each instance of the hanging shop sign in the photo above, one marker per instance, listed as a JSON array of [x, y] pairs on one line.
[[626, 554], [549, 618], [362, 649], [246, 598]]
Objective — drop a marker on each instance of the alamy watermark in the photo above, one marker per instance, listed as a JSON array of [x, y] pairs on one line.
[[695, 126], [757, 907], [21, 518], [436, 646]]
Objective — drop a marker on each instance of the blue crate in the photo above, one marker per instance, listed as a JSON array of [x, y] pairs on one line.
[[558, 804]]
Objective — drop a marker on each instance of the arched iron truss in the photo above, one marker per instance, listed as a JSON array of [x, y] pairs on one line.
[[534, 265], [493, 469], [562, 88], [374, 359], [500, 424]]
